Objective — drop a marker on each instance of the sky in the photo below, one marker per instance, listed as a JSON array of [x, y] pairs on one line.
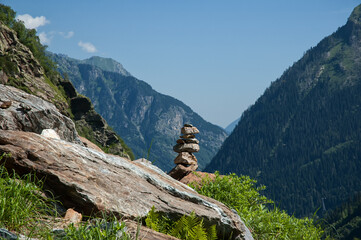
[[216, 56]]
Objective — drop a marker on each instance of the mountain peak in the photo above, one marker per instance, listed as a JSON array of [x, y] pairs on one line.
[[107, 64], [355, 16]]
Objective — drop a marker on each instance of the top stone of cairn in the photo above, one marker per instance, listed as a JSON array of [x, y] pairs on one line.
[[188, 129]]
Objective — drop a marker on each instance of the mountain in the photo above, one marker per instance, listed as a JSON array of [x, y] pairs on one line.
[[302, 136], [46, 167], [231, 126], [106, 64], [148, 121]]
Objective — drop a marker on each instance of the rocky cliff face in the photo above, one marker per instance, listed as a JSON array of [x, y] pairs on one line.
[[19, 68], [91, 181], [146, 119]]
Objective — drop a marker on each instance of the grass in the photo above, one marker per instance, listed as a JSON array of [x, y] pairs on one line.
[[25, 209], [103, 228], [22, 204]]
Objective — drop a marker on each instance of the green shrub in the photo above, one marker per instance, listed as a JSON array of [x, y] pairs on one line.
[[264, 220], [187, 227]]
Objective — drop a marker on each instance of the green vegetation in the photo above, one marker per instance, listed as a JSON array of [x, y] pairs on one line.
[[264, 220], [187, 227], [107, 229], [23, 208], [345, 221], [29, 38]]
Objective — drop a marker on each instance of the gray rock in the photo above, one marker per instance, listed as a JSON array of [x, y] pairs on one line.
[[32, 114], [90, 181]]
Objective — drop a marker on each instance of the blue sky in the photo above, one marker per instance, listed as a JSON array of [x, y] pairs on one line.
[[216, 56]]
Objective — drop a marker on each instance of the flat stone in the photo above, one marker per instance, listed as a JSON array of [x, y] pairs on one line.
[[5, 105], [185, 158], [189, 130], [187, 125], [191, 140], [180, 141], [186, 147], [180, 171], [186, 136]]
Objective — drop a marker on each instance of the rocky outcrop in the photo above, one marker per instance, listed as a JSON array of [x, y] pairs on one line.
[[24, 71], [19, 68], [90, 181], [29, 113]]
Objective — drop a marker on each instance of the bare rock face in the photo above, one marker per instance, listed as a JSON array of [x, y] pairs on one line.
[[90, 181], [25, 112]]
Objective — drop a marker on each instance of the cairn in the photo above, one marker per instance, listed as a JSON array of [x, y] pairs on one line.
[[186, 145]]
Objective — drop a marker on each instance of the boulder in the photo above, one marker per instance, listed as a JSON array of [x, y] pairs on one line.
[[185, 158], [189, 130], [186, 147], [90, 181], [32, 114]]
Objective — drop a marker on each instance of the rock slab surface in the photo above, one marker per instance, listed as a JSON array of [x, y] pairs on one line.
[[90, 181]]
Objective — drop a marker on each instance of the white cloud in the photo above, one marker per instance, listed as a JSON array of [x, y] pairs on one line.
[[31, 22], [67, 35], [44, 38], [88, 47]]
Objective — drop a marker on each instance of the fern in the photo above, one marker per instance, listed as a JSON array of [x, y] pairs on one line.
[[187, 227], [152, 220]]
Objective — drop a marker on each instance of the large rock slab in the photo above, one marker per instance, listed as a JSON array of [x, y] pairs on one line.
[[32, 114], [90, 181]]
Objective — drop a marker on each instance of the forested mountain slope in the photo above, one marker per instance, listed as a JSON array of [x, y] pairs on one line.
[[302, 137], [345, 221], [146, 119]]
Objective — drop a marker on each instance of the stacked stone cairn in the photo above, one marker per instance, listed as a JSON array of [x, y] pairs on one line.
[[186, 145]]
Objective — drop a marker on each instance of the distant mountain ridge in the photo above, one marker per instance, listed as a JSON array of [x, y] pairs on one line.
[[146, 119], [231, 126], [302, 136]]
